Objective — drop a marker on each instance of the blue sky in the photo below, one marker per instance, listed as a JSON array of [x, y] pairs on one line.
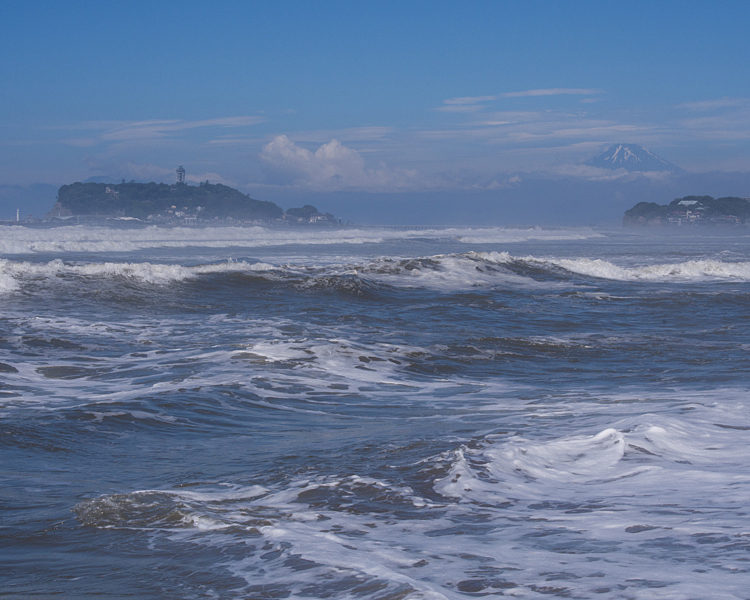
[[285, 99]]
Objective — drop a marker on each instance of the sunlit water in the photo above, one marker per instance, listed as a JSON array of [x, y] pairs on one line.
[[379, 414]]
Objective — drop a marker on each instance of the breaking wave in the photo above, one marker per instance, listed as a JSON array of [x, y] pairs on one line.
[[686, 271], [692, 270], [509, 515], [153, 273], [448, 272]]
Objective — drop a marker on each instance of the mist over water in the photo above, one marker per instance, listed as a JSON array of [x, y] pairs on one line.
[[373, 413]]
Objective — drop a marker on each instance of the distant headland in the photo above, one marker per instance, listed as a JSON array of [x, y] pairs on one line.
[[692, 211], [172, 205], [131, 203]]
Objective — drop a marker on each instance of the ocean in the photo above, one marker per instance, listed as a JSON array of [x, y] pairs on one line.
[[357, 413]]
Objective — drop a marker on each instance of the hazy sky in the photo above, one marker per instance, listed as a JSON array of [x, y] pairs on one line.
[[418, 97]]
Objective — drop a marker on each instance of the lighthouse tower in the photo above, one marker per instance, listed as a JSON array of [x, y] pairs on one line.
[[180, 174]]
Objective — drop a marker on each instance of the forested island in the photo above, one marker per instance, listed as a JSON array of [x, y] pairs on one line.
[[176, 204], [690, 211]]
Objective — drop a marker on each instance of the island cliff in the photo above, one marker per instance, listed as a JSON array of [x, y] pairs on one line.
[[141, 200], [180, 203]]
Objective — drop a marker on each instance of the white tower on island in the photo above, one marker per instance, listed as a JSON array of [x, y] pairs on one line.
[[180, 174]]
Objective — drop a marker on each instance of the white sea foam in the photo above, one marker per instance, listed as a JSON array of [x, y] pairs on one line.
[[694, 270], [453, 273], [21, 240], [450, 272], [443, 272], [489, 269], [228, 493], [403, 465], [339, 360], [650, 453], [7, 282], [300, 370], [625, 509], [489, 236], [517, 468], [11, 272], [605, 480]]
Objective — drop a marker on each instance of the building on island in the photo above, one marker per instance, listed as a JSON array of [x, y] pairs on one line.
[[180, 174]]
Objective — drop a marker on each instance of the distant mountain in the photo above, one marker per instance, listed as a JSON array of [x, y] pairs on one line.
[[631, 157]]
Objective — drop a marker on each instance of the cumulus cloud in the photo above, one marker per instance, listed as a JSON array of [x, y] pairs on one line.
[[510, 182], [331, 167], [349, 134]]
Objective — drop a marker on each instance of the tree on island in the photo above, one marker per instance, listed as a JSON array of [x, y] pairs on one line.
[[307, 211]]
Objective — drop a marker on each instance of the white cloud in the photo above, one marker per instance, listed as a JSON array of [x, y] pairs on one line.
[[598, 174], [331, 167], [140, 130], [722, 120], [350, 134], [465, 104], [553, 92], [493, 123], [715, 104], [469, 100], [510, 182], [460, 108], [548, 127], [222, 122], [470, 104], [119, 131], [373, 134]]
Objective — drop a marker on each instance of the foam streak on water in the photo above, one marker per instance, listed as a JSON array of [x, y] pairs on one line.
[[385, 414], [20, 240]]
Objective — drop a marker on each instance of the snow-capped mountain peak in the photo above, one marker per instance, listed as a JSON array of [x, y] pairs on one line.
[[631, 157]]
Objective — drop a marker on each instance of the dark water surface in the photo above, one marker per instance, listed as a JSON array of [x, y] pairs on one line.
[[373, 414]]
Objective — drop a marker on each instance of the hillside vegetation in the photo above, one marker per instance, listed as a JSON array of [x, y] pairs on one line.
[[692, 210], [143, 199]]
